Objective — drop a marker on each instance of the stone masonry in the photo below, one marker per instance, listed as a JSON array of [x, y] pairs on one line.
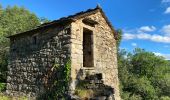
[[33, 53]]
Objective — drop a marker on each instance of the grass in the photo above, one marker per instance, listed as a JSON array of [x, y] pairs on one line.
[[5, 97], [84, 93]]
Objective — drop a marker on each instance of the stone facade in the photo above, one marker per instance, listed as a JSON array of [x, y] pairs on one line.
[[31, 60], [104, 48], [33, 55]]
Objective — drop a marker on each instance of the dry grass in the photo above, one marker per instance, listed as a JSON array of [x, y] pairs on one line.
[[84, 93], [5, 97]]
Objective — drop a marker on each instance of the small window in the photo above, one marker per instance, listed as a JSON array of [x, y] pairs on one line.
[[34, 39]]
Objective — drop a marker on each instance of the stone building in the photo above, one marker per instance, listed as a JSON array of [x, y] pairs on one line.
[[39, 57]]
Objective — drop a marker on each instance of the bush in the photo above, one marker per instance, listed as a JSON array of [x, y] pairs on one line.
[[2, 87], [165, 98], [143, 75]]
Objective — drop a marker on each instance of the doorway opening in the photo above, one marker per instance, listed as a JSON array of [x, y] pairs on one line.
[[87, 48]]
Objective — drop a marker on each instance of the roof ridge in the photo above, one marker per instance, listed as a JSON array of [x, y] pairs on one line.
[[70, 18], [73, 15]]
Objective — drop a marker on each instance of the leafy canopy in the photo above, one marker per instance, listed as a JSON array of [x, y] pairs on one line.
[[143, 75]]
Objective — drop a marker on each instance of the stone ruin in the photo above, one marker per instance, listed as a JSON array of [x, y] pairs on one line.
[[86, 39]]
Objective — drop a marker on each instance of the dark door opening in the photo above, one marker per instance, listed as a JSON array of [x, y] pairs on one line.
[[87, 48]]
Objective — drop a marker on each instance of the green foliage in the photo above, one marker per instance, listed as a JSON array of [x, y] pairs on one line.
[[3, 65], [128, 96], [165, 98], [84, 93], [144, 63], [143, 75], [67, 71], [15, 19], [119, 37], [60, 84], [2, 87]]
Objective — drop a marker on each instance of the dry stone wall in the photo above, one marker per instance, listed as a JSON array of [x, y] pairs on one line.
[[104, 49], [33, 56], [30, 70]]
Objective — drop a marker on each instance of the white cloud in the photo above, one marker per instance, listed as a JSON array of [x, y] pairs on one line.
[[147, 28], [166, 29], [167, 11], [134, 44], [145, 36], [166, 56], [128, 36], [165, 1], [159, 38]]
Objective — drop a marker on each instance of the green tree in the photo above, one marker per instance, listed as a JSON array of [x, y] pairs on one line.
[[145, 63], [143, 75]]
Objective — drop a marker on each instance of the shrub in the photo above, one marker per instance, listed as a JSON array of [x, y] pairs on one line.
[[2, 86]]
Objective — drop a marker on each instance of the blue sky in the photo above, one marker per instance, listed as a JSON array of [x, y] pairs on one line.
[[145, 23]]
